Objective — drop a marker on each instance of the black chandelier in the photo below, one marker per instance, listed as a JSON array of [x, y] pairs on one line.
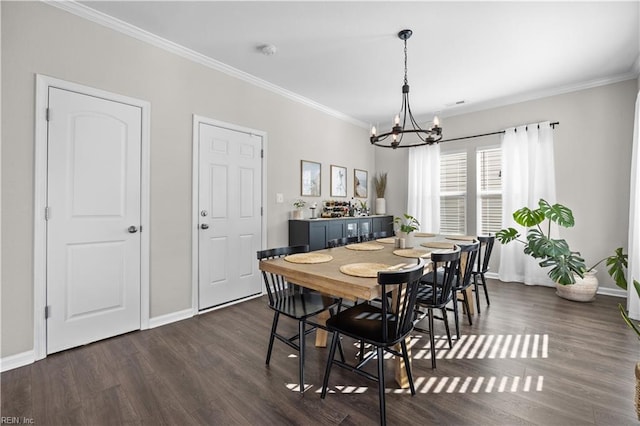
[[427, 137]]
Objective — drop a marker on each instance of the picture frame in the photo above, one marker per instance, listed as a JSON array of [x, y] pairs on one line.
[[360, 183], [338, 181], [310, 178]]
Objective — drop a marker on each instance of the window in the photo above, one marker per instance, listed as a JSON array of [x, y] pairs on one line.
[[489, 215], [453, 193]]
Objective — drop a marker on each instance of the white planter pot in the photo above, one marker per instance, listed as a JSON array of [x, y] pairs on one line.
[[381, 206], [297, 214], [584, 290], [408, 238]]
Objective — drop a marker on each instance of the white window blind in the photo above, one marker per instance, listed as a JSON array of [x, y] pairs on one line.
[[453, 193], [489, 163]]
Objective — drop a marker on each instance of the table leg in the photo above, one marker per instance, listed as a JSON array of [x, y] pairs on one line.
[[321, 335]]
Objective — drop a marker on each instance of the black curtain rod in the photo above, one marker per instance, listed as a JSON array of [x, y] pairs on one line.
[[553, 126]]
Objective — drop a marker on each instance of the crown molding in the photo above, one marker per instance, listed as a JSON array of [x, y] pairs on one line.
[[115, 24], [530, 96]]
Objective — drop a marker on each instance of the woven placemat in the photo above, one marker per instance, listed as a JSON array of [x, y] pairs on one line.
[[365, 246], [414, 253], [424, 234], [460, 237], [438, 244], [389, 240], [309, 258], [363, 270]]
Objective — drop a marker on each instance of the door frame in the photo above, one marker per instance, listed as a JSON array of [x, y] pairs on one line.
[[195, 217], [43, 83]]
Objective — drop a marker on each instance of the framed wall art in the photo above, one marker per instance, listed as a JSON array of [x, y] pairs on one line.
[[310, 178], [338, 181], [360, 179]]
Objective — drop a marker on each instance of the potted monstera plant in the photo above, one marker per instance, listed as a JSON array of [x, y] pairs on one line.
[[574, 281]]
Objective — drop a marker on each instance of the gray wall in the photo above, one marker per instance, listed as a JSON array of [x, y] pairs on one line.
[[37, 38], [592, 153]]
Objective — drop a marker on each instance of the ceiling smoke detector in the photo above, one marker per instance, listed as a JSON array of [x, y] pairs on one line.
[[268, 49]]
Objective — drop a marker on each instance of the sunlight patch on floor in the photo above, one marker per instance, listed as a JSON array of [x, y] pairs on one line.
[[483, 346], [450, 385]]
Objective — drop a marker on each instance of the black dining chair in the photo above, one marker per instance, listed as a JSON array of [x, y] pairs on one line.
[[463, 281], [435, 294], [286, 298], [380, 326], [482, 267]]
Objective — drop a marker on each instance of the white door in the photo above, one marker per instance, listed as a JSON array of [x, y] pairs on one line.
[[93, 226], [230, 194]]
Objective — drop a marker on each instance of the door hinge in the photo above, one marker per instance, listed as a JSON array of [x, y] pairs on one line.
[[261, 211], [46, 213], [140, 228], [48, 114], [262, 153], [47, 311]]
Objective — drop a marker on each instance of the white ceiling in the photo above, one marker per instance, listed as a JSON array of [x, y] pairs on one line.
[[347, 57]]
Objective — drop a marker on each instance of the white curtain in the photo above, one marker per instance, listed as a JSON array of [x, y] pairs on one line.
[[423, 201], [633, 271], [528, 174]]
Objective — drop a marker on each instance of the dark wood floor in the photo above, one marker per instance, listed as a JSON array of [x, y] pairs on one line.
[[531, 358]]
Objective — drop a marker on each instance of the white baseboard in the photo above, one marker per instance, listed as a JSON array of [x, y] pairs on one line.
[[169, 318], [18, 360], [606, 291]]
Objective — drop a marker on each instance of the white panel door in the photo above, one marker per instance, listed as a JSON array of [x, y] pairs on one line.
[[230, 193], [93, 230]]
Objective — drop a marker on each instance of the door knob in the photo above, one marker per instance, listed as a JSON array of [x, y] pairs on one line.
[[132, 229], [204, 226]]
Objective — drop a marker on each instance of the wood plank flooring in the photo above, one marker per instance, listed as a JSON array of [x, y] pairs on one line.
[[530, 358]]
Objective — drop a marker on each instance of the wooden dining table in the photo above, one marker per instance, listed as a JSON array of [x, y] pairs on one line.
[[327, 277]]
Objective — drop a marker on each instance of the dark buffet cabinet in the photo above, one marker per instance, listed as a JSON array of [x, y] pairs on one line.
[[316, 232]]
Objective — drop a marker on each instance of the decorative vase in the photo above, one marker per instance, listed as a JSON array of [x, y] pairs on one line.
[[584, 289], [297, 214], [381, 206]]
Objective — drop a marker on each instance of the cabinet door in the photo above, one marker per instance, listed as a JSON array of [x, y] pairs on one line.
[[351, 228], [364, 226], [384, 223], [317, 236], [335, 229]]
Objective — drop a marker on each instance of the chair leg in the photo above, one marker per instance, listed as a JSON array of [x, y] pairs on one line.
[[274, 325], [455, 314], [446, 326], [301, 329], [476, 289], [484, 285], [407, 364], [432, 339], [332, 353], [383, 416], [465, 300]]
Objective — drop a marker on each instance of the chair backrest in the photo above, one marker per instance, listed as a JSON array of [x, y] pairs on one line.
[[486, 246], [338, 242], [397, 319], [464, 279], [276, 284], [446, 264]]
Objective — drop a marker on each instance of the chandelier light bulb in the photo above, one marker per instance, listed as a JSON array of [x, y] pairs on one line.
[[436, 121], [373, 130]]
